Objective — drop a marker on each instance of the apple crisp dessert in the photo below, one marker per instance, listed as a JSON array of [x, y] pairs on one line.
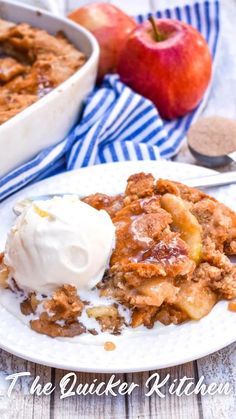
[[170, 262], [32, 63]]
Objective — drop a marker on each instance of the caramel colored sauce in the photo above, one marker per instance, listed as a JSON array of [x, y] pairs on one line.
[[232, 306], [109, 346]]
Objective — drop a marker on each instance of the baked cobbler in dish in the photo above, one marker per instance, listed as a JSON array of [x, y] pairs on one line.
[[32, 63], [170, 263]]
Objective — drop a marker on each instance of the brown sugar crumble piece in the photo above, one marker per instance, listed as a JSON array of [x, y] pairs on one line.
[[4, 274], [60, 317], [232, 306], [139, 185], [29, 305], [65, 304], [109, 346], [46, 326], [110, 204]]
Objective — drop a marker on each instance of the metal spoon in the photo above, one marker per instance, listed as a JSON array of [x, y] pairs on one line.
[[21, 205], [210, 181], [212, 140], [213, 161]]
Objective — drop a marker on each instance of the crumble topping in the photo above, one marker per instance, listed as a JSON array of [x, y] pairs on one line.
[[109, 346], [156, 275], [59, 315]]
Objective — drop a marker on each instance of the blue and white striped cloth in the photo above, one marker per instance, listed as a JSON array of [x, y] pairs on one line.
[[118, 124]]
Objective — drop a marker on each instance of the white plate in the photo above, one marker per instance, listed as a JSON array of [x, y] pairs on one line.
[[136, 350]]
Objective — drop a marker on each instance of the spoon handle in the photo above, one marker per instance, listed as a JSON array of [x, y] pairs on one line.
[[220, 179]]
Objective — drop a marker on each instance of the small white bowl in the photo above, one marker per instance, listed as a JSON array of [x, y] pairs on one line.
[[49, 120]]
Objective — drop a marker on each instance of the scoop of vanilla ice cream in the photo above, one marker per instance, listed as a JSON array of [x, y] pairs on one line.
[[59, 241]]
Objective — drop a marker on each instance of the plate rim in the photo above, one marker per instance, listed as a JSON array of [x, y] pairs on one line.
[[69, 173], [108, 370]]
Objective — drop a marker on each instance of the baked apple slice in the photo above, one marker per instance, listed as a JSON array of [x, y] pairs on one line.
[[157, 291], [101, 311], [185, 223], [4, 273], [195, 300]]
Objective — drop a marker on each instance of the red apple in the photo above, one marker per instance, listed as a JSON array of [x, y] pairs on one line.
[[110, 26], [168, 62]]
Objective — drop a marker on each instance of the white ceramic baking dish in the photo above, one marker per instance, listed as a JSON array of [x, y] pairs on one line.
[[50, 119]]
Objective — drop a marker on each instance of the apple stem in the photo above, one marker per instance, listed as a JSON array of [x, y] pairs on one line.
[[157, 34]]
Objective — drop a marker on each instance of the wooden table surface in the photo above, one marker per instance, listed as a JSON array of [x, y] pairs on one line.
[[219, 367]]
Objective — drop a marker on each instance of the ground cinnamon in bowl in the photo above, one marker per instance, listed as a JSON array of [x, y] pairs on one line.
[[213, 136]]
